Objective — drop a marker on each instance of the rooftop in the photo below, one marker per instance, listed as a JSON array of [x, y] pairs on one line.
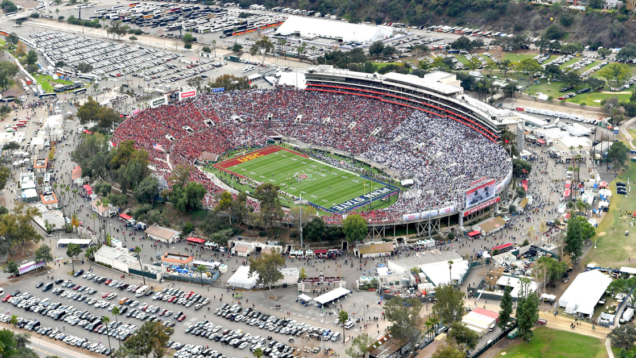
[[375, 248], [49, 199], [161, 232], [40, 163], [493, 224], [426, 257], [176, 258]]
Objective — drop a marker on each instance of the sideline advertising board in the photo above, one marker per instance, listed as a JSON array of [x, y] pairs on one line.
[[480, 193], [159, 101], [187, 94]]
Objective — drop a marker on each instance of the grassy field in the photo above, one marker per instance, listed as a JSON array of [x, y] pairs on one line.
[[513, 57], [614, 249], [48, 82], [381, 64], [549, 343], [331, 188], [590, 98]]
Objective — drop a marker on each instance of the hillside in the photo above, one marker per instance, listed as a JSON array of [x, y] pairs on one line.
[[605, 28]]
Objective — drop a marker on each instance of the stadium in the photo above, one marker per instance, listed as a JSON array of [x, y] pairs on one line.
[[436, 152]]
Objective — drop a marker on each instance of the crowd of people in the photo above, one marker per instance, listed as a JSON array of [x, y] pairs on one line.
[[442, 156]]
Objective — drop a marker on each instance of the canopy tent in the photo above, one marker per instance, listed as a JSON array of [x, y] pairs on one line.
[[332, 295], [321, 28], [242, 279], [305, 298], [585, 292], [74, 241], [125, 217], [438, 273], [76, 173], [629, 270]]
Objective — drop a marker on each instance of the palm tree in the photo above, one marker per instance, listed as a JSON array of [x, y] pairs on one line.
[[115, 313], [201, 269], [258, 353], [105, 322], [138, 252], [74, 198], [214, 47], [430, 323], [450, 271]]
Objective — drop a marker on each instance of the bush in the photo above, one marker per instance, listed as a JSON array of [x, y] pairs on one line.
[[206, 49], [525, 242], [138, 32], [262, 233], [495, 252], [512, 208], [188, 228], [293, 235], [188, 46], [567, 20], [35, 15]]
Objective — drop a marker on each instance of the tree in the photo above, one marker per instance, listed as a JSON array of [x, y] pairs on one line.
[[624, 335], [147, 190], [552, 72], [465, 338], [72, 251], [571, 78], [355, 228], [206, 49], [303, 273], [404, 314], [7, 71], [527, 310], [258, 352], [625, 286], [615, 71], [12, 267], [267, 267], [201, 269], [505, 314], [448, 351], [566, 19], [343, 317], [301, 215], [264, 45], [618, 154], [627, 52], [604, 52], [271, 208], [187, 38], [450, 304], [376, 48], [555, 269], [359, 346], [43, 253], [115, 311], [315, 229], [594, 83], [554, 32], [151, 337], [105, 322], [84, 67], [462, 43], [32, 57], [188, 198], [138, 253]]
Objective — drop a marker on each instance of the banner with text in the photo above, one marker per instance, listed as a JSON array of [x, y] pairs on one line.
[[187, 94], [482, 206], [159, 101]]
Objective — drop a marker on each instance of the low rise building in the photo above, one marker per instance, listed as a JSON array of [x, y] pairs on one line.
[[374, 249], [163, 234], [49, 200]]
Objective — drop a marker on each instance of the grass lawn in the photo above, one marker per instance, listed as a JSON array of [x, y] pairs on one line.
[[549, 343], [381, 64], [48, 82], [567, 63], [513, 57], [462, 59], [613, 247], [633, 133], [617, 350], [589, 98]]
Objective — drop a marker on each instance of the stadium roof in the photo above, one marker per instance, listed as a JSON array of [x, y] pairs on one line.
[[307, 26], [424, 83]]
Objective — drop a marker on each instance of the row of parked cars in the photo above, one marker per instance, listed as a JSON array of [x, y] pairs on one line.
[[276, 325]]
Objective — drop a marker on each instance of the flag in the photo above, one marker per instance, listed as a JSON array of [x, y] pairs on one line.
[[506, 141]]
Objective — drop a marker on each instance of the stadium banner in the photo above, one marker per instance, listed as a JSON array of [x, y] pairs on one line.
[[408, 217], [216, 90], [159, 101], [447, 210], [136, 112], [187, 94], [482, 192], [430, 213], [481, 206], [361, 199]]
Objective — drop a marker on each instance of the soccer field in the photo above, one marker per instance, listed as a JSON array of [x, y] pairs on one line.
[[330, 188]]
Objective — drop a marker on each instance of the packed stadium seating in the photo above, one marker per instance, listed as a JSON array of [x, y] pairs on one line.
[[443, 156]]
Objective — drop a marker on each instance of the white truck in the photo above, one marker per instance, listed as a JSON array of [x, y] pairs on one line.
[[142, 291]]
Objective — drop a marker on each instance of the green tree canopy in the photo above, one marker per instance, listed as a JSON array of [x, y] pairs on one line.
[[355, 228], [267, 266]]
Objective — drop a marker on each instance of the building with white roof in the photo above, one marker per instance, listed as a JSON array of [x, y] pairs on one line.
[[585, 292], [515, 284], [309, 27]]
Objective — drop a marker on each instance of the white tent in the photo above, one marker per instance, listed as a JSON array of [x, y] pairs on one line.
[[74, 241], [241, 278], [332, 295], [585, 292], [313, 27], [438, 272], [305, 298]]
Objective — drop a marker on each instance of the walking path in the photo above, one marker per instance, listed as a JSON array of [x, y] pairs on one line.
[[625, 130]]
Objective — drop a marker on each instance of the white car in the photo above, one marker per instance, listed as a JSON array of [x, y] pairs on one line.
[[562, 208]]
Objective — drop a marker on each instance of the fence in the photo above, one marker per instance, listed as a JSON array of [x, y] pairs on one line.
[[142, 273], [494, 341], [195, 280]]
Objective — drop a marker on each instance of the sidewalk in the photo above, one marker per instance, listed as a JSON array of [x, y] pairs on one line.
[[587, 112]]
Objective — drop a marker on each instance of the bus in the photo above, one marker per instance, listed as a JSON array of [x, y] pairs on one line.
[[48, 95], [86, 76], [80, 91]]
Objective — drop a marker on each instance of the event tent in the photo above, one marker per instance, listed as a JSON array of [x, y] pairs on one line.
[[312, 27], [242, 279], [305, 298], [332, 295], [74, 241], [438, 273], [585, 292]]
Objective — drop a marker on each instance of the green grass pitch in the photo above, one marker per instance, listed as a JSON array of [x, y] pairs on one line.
[[330, 188]]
